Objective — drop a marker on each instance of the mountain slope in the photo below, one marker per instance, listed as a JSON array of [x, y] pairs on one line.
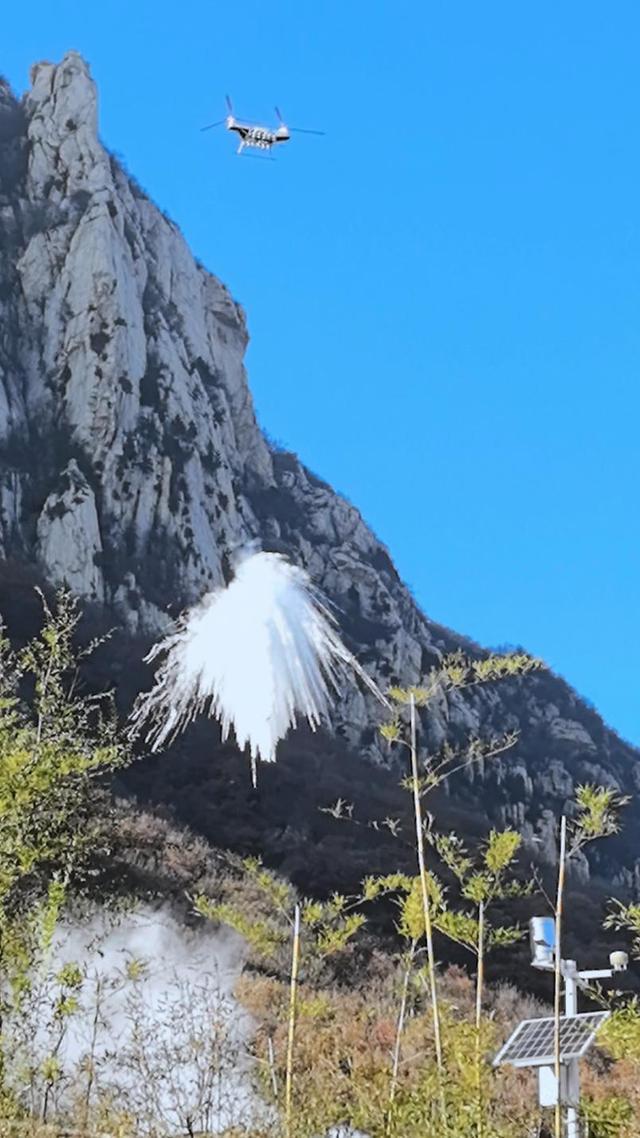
[[132, 465]]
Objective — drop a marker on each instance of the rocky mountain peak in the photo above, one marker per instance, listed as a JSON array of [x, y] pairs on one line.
[[65, 155]]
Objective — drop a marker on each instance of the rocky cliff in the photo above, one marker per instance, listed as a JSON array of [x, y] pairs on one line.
[[132, 465]]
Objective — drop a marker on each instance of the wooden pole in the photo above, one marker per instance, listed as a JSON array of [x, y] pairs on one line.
[[558, 971], [397, 1047], [426, 906], [479, 992], [293, 991]]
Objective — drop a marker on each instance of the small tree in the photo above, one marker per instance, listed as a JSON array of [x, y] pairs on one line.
[[429, 771], [482, 883], [55, 746]]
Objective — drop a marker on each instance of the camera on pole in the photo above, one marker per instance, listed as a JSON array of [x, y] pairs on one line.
[[533, 1043]]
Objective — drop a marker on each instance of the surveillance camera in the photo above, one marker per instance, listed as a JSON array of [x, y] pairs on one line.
[[619, 961]]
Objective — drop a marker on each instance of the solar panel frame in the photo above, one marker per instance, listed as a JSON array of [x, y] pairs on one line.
[[532, 1044]]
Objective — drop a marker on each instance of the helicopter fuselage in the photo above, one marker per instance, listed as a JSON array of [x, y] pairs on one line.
[[258, 137]]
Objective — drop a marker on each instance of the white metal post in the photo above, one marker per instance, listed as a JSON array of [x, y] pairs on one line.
[[570, 973]]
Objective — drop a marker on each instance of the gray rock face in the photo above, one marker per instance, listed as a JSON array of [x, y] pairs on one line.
[[68, 535], [132, 466]]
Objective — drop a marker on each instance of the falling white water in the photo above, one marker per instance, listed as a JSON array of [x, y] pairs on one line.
[[254, 655]]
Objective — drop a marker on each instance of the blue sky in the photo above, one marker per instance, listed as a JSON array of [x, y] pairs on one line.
[[443, 292]]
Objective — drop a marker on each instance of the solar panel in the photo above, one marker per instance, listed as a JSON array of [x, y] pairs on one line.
[[532, 1042]]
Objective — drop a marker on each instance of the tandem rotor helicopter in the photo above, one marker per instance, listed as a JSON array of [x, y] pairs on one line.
[[256, 136]]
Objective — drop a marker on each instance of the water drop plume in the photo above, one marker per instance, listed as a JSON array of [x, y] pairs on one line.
[[255, 655]]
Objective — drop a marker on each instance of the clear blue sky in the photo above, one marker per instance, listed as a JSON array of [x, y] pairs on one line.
[[443, 293]]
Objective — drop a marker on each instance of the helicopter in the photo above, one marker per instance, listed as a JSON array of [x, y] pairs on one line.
[[254, 135]]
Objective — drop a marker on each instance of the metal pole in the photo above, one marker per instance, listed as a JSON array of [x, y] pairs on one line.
[[570, 973], [572, 1113]]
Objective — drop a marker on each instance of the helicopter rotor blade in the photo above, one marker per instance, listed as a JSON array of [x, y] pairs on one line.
[[295, 129], [212, 124], [229, 104]]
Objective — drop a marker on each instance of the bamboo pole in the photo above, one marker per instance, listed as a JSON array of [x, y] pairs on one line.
[[479, 993], [272, 1067], [480, 976], [402, 1012], [293, 991], [557, 994], [426, 906]]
